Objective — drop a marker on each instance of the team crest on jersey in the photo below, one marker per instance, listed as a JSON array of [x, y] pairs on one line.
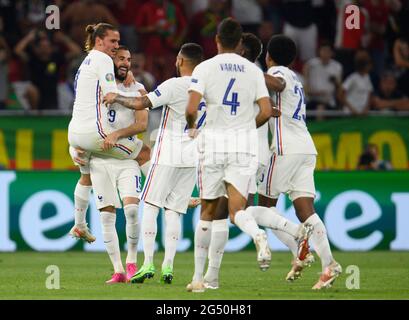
[[109, 77], [194, 80], [157, 92]]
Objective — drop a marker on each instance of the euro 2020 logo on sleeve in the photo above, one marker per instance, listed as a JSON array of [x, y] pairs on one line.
[[109, 77]]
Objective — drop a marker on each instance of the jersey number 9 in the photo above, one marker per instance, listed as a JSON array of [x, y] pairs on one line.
[[111, 115]]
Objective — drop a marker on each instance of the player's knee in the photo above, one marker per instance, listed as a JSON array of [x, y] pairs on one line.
[[130, 200], [110, 209], [85, 180], [131, 213]]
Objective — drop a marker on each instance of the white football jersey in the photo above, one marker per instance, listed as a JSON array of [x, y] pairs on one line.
[[119, 117], [95, 78], [290, 133], [173, 146], [230, 84]]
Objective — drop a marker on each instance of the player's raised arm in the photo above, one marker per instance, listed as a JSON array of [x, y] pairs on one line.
[[137, 103]]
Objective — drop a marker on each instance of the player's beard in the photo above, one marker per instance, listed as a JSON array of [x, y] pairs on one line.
[[117, 75]]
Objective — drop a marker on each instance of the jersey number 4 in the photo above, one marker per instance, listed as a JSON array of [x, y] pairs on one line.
[[233, 103]]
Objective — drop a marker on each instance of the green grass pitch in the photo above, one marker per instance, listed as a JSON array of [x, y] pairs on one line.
[[383, 275]]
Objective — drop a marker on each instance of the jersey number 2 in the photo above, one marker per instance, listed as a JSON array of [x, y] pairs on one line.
[[233, 103], [301, 103]]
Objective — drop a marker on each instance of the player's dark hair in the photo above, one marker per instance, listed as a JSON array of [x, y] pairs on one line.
[[252, 46], [229, 32], [192, 51], [282, 50], [122, 47], [96, 30]]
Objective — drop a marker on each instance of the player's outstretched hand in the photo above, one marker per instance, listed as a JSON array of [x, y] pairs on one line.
[[110, 141], [276, 112], [109, 98]]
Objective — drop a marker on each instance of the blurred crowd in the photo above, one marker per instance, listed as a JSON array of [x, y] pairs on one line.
[[353, 70]]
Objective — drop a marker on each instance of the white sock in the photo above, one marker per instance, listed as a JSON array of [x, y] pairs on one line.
[[132, 231], [220, 236], [172, 234], [81, 200], [319, 240], [145, 168], [203, 234], [245, 221], [149, 231], [111, 240], [270, 216]]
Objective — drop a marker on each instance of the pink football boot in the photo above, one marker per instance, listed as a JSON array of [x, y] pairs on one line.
[[117, 278], [131, 269]]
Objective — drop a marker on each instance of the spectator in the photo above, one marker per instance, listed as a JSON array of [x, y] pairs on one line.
[[194, 6], [8, 17], [162, 26], [125, 12], [401, 58], [347, 40], [44, 63], [325, 17], [388, 96], [369, 160], [139, 72], [323, 76], [4, 58], [77, 15], [398, 16], [203, 26], [249, 13], [378, 13], [299, 25], [356, 90], [265, 32], [30, 14]]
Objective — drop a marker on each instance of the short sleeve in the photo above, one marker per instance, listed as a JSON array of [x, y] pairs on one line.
[[106, 75], [198, 80], [261, 88], [162, 95], [348, 83], [276, 72]]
